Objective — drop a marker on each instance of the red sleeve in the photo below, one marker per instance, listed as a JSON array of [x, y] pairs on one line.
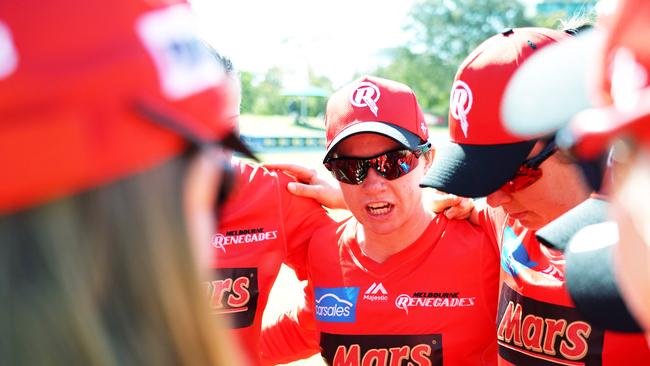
[[292, 336], [492, 220], [302, 217]]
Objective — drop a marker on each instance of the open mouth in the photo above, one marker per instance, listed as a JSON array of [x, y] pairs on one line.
[[379, 208]]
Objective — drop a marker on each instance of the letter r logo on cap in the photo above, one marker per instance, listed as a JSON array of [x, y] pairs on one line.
[[460, 103], [366, 95]]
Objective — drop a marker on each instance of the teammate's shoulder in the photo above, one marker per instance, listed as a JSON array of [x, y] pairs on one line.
[[259, 171], [334, 229], [255, 172], [463, 228]]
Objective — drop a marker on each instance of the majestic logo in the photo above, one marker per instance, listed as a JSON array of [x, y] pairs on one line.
[[337, 304], [245, 236], [366, 95], [534, 333], [376, 292], [234, 291], [382, 350], [460, 103], [433, 300]]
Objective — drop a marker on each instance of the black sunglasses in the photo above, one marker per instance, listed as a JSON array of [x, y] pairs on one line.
[[390, 165], [549, 149], [196, 144], [529, 172]]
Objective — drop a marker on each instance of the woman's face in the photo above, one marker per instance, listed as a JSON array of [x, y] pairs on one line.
[[203, 182], [558, 190], [382, 206]]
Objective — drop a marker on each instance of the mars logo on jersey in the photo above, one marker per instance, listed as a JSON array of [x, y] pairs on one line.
[[433, 300], [233, 292], [531, 332], [382, 350], [243, 236], [336, 304]]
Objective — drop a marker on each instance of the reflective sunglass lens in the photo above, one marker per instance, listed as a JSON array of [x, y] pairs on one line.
[[390, 165]]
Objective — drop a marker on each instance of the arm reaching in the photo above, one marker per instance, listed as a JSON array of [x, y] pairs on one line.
[[310, 185], [453, 207], [291, 336]]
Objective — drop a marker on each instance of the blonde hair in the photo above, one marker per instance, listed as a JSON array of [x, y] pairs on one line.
[[107, 277], [578, 23]]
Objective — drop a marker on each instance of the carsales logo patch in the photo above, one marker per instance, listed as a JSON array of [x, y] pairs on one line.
[[243, 236], [336, 304], [433, 300]]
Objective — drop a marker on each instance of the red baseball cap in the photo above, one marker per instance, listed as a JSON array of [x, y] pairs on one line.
[[91, 92], [482, 155], [375, 105], [607, 74]]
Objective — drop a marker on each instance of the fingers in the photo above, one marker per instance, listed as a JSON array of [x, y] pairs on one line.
[[299, 172], [305, 190], [460, 211], [442, 201]]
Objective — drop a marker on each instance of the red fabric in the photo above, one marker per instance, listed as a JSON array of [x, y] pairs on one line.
[[451, 268], [475, 100], [537, 323], [628, 28], [67, 116], [621, 114], [261, 226]]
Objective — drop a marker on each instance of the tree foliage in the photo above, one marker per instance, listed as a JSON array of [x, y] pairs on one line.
[[443, 33]]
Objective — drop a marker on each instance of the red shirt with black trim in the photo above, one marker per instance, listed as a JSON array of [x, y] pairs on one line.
[[261, 226], [537, 323], [432, 303]]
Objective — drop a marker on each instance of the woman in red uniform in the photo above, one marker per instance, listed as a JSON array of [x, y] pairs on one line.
[[261, 226], [527, 186], [395, 283]]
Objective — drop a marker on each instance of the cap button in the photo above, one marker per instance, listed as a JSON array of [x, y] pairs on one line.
[[507, 31]]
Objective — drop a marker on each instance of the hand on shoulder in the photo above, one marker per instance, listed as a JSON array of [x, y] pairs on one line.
[[309, 184]]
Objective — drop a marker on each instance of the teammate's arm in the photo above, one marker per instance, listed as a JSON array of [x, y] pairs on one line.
[[292, 336], [452, 206], [309, 184]]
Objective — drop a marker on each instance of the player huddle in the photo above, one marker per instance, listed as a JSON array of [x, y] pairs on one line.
[[135, 204]]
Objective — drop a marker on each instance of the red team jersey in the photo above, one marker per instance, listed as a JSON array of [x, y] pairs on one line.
[[432, 303], [261, 226], [537, 323]]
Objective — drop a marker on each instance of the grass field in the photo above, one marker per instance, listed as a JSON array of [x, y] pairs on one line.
[[287, 290]]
